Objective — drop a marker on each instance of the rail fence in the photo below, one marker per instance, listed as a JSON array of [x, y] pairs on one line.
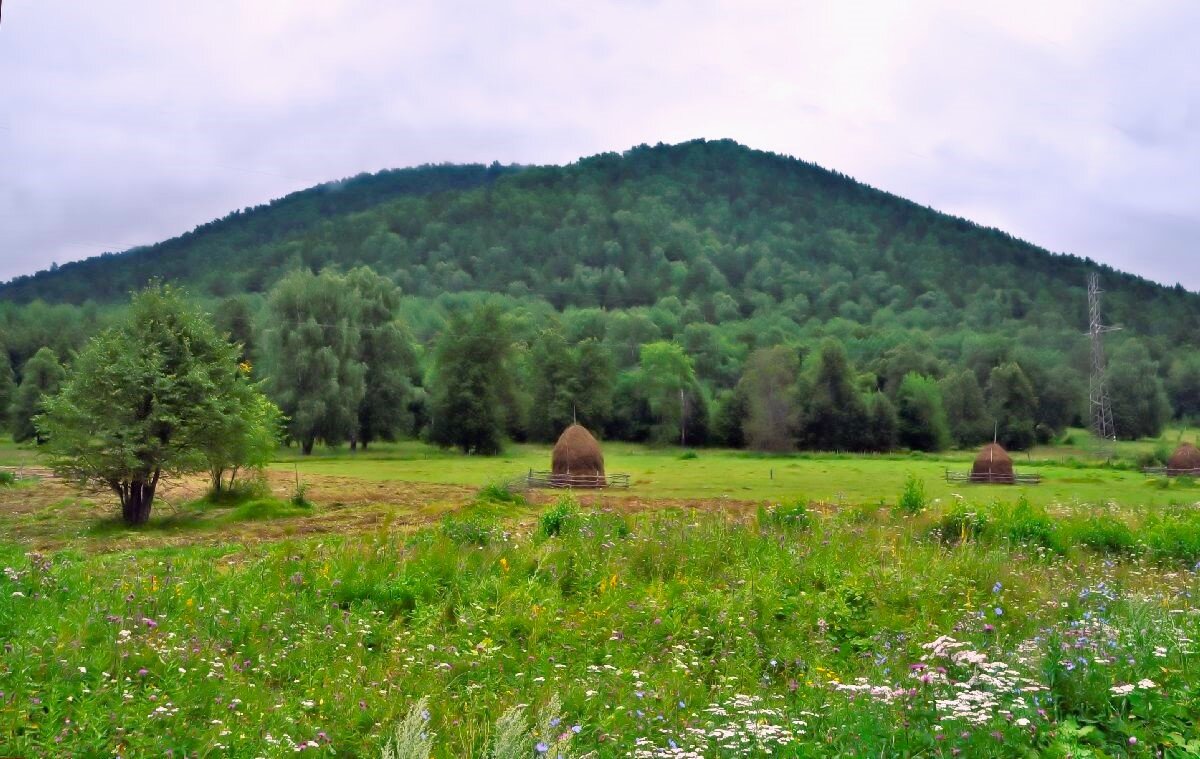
[[543, 479], [993, 479]]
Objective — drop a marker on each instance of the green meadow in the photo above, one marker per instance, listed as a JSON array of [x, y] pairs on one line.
[[1071, 474], [401, 602]]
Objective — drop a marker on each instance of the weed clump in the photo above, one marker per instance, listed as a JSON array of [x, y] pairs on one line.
[[961, 524], [7, 479], [786, 516], [1103, 533], [1026, 524], [912, 499], [471, 528], [564, 511], [500, 494]]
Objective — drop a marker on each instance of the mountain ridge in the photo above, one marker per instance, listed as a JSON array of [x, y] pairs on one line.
[[623, 230]]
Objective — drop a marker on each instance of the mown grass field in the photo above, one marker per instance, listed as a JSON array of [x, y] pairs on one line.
[[712, 610]]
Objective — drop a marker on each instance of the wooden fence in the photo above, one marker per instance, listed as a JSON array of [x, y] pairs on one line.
[[992, 479], [1163, 471], [541, 479]]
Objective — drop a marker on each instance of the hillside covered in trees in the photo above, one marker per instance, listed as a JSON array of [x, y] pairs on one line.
[[702, 291]]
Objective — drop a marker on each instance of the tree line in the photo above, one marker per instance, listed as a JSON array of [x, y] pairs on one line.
[[328, 359]]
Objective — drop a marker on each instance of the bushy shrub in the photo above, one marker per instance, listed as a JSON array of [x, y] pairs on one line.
[[260, 509], [912, 499], [249, 489], [7, 479], [558, 516]]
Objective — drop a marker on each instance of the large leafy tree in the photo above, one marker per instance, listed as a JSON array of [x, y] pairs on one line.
[[883, 426], [386, 353], [966, 412], [1013, 405], [554, 385], [41, 377], [1183, 386], [1139, 403], [472, 378], [835, 415], [7, 385], [234, 317], [768, 385], [922, 420], [316, 374], [596, 379], [144, 399], [668, 380]]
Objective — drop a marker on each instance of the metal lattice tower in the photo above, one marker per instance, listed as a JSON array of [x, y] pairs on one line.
[[1101, 408]]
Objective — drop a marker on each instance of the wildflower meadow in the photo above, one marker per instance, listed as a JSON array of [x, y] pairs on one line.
[[796, 630]]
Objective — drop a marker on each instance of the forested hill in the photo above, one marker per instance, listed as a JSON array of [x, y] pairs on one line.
[[730, 232]]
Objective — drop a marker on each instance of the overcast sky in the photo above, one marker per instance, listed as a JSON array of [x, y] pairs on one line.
[[1075, 125]]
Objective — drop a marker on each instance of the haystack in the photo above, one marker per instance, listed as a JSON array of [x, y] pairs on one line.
[[993, 464], [577, 459], [1185, 460]]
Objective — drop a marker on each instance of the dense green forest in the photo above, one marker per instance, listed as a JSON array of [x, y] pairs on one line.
[[702, 292]]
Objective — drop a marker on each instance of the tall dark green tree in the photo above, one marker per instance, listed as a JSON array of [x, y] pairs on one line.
[[389, 360], [1183, 386], [41, 377], [1013, 406], [472, 376], [922, 419], [772, 413], [234, 317], [1062, 400], [966, 411], [7, 384], [316, 375], [883, 426], [729, 418], [554, 385], [596, 377], [834, 413], [1139, 403]]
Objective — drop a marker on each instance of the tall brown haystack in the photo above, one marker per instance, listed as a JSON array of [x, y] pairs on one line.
[[577, 459], [993, 464], [1185, 460]]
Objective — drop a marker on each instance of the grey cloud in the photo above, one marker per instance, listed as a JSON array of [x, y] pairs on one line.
[[1073, 126]]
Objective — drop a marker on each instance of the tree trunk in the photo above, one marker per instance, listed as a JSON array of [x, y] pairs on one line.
[[307, 445], [364, 444], [137, 496], [353, 443]]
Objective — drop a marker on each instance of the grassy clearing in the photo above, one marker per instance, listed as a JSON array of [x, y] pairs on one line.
[[864, 631], [744, 476]]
